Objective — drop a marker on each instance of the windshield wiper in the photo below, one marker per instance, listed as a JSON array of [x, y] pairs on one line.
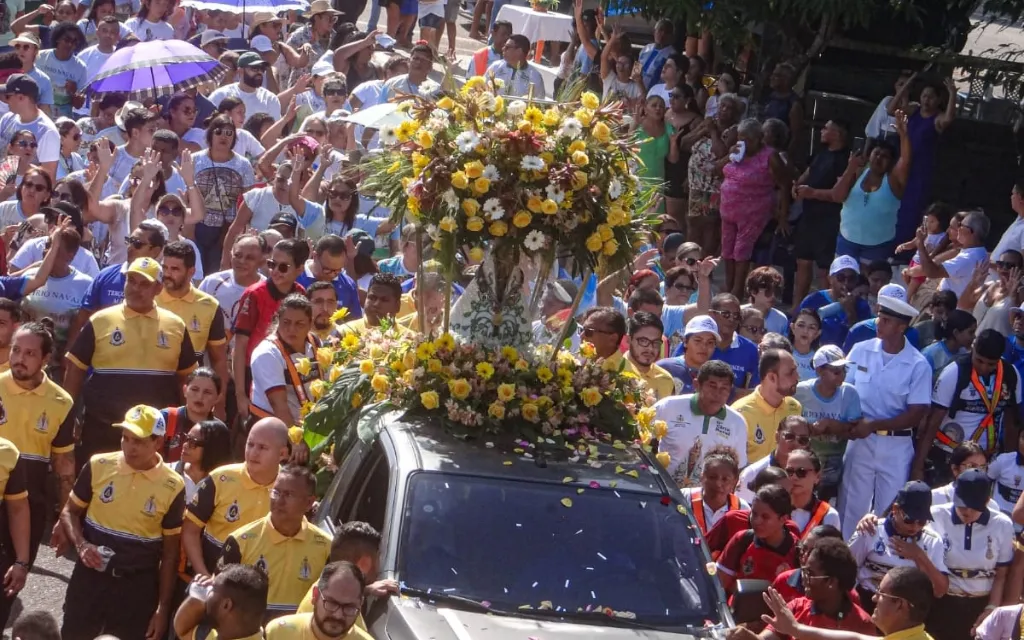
[[593, 616], [441, 596]]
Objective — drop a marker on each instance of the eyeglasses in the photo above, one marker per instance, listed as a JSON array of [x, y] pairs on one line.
[[77, 137], [340, 195], [347, 610], [25, 144], [789, 436], [177, 212], [683, 286], [805, 576], [333, 92], [728, 315], [194, 442], [798, 472], [61, 196], [188, 111], [689, 261], [40, 188], [224, 131], [589, 331], [329, 271], [135, 242], [646, 343], [755, 330], [280, 267], [881, 594]]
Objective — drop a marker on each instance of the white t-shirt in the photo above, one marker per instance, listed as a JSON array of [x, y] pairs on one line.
[[47, 136], [34, 250], [959, 269], [115, 135], [269, 372], [246, 144], [969, 417], [93, 59], [221, 183], [146, 31], [711, 517], [88, 28], [875, 554], [689, 429], [264, 207], [258, 101], [59, 299], [747, 475], [11, 214], [1008, 474], [60, 73], [660, 91], [982, 547], [123, 163], [222, 285], [174, 185], [615, 88]]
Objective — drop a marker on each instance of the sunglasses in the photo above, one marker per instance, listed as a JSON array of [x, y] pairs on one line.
[[798, 472], [728, 315], [280, 267], [341, 195], [25, 144], [177, 212], [135, 242], [40, 188], [789, 436], [1003, 264], [689, 261], [589, 331], [754, 330], [682, 286], [194, 442], [805, 575], [910, 521], [77, 137], [333, 92], [61, 196], [223, 131]]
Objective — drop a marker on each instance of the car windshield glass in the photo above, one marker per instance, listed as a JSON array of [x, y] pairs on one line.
[[514, 543]]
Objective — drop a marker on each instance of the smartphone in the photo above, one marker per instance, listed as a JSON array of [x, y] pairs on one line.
[[858, 145], [385, 41]]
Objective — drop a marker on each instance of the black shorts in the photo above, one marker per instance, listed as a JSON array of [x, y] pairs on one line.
[[815, 239]]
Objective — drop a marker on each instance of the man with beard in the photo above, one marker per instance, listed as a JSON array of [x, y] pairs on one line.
[[233, 610], [324, 299], [770, 402], [249, 89], [200, 311], [645, 333], [337, 601]]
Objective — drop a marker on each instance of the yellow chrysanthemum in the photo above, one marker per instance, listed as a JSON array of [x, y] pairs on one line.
[[446, 103], [444, 341], [506, 392], [476, 254], [425, 139], [610, 247], [459, 180], [460, 388], [580, 159], [509, 353], [544, 374], [406, 129], [522, 219], [474, 169], [551, 117], [498, 229], [530, 412], [339, 315], [579, 180], [485, 370], [496, 410], [366, 367], [430, 400], [304, 366], [471, 206], [605, 232], [481, 185], [535, 204], [577, 145], [424, 351], [549, 207], [317, 388], [447, 224], [413, 204], [350, 341], [602, 132], [591, 396], [357, 400], [590, 100], [380, 383], [594, 243]]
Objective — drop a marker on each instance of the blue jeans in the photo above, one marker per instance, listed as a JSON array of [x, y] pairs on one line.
[[374, 15], [864, 253], [495, 8]]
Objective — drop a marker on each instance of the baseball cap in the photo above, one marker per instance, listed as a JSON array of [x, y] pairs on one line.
[[843, 262], [26, 37], [972, 490], [915, 498], [320, 67], [285, 219], [148, 268], [702, 324], [22, 85], [892, 298], [361, 241], [306, 141], [251, 59], [830, 355], [212, 36], [143, 421], [262, 44]]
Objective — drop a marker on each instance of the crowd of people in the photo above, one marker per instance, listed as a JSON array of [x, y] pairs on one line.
[[845, 426]]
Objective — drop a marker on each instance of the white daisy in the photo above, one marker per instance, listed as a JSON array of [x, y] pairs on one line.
[[493, 208], [467, 141], [532, 163], [555, 192], [389, 136], [439, 114], [432, 231], [516, 108], [535, 240], [571, 128], [450, 199], [491, 173], [486, 101], [614, 189], [428, 88]]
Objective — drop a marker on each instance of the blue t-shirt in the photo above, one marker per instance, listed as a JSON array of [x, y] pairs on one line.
[[344, 286], [107, 288], [835, 327], [867, 329], [11, 287], [683, 376], [1014, 352], [741, 355]]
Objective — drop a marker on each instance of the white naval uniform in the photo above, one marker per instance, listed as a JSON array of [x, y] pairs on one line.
[[1008, 473], [876, 467], [875, 554], [973, 551], [688, 429]]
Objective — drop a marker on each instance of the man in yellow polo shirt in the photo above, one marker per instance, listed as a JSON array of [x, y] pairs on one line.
[[233, 610], [383, 300], [200, 311], [770, 402], [645, 332], [283, 544], [337, 602], [124, 519], [233, 495], [138, 353]]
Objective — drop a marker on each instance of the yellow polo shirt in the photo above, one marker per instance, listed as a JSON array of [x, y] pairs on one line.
[[913, 633], [306, 606], [657, 379], [13, 484], [201, 314], [358, 327], [299, 626], [212, 635], [763, 421], [39, 422], [292, 564], [224, 501]]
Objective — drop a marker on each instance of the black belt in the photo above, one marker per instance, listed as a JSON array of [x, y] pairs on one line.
[[902, 433]]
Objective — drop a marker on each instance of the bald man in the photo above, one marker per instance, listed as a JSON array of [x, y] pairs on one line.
[[233, 495]]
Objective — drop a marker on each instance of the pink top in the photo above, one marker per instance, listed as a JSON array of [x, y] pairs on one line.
[[748, 189], [1000, 623]]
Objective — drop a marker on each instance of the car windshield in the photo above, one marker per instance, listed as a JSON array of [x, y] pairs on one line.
[[514, 543]]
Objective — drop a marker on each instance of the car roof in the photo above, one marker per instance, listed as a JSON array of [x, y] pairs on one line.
[[423, 445]]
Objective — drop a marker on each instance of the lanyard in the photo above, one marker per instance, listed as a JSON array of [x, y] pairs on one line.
[[293, 373], [988, 423]]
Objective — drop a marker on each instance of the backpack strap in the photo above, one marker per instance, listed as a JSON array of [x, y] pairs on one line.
[[697, 506], [963, 378]]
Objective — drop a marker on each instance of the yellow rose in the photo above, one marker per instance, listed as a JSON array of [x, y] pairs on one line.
[[481, 185], [660, 429], [577, 145], [524, 126], [474, 169], [316, 389], [295, 434], [498, 229], [645, 416], [549, 207], [590, 100], [485, 370], [506, 392], [531, 412], [535, 204], [548, 158], [334, 374], [460, 388], [447, 224], [366, 367], [586, 350], [380, 383], [591, 396], [305, 410], [357, 400], [303, 366], [522, 219], [476, 254], [611, 247], [471, 207], [602, 132], [434, 365], [605, 232], [594, 243], [579, 180], [430, 400], [663, 458], [425, 139], [459, 180], [496, 410], [580, 159], [324, 357], [544, 374], [551, 118], [585, 116], [445, 103], [617, 217], [475, 224]]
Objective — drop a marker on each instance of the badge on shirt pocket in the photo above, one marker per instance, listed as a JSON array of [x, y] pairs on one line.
[[161, 340], [117, 338]]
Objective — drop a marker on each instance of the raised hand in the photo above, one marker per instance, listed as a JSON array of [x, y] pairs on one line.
[[187, 170], [104, 156], [901, 122], [151, 165]]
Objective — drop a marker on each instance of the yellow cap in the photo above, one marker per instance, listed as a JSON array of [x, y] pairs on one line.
[[144, 421], [148, 268]]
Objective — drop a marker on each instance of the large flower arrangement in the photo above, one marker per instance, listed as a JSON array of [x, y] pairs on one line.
[[474, 168]]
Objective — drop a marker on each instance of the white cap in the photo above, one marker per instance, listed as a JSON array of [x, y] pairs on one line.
[[830, 354], [841, 263], [320, 67], [702, 324], [262, 44], [893, 298]]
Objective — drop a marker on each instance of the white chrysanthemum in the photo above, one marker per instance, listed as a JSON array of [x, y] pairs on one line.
[[439, 114], [535, 240], [486, 101], [450, 199], [571, 128], [432, 231], [493, 208], [467, 141], [532, 163], [614, 189], [516, 108], [491, 173], [389, 136], [428, 88], [555, 192]]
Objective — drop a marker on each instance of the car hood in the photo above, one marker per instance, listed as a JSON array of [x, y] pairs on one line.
[[409, 619]]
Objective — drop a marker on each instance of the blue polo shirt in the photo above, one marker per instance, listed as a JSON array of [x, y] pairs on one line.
[[11, 287], [867, 329], [741, 355], [834, 328], [344, 286], [107, 288]]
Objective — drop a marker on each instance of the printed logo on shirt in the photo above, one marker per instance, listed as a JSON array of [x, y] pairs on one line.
[[988, 549], [232, 514], [759, 435], [880, 547], [748, 566], [721, 429], [194, 325], [43, 423], [261, 565], [304, 570], [150, 507], [107, 495], [117, 338], [161, 340], [945, 541]]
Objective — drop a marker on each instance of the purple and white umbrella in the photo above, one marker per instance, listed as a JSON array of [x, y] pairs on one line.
[[156, 69]]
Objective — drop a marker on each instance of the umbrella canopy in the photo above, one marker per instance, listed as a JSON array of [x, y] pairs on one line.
[[247, 6], [156, 69]]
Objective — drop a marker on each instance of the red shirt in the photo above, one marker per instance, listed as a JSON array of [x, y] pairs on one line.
[[854, 619], [747, 557], [256, 310], [729, 525]]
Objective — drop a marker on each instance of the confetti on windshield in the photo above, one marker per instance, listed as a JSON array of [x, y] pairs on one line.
[[579, 491], [507, 463], [579, 532], [567, 479], [566, 502], [601, 555], [619, 469], [633, 473], [594, 484], [454, 571]]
